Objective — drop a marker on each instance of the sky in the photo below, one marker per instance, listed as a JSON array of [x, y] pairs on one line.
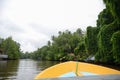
[[32, 22]]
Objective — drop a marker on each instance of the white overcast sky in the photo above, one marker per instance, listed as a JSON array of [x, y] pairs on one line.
[[32, 22]]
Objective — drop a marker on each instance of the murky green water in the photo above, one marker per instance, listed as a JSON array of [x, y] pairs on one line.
[[24, 69]]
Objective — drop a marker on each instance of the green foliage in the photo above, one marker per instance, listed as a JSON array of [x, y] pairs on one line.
[[114, 7], [11, 48], [91, 40], [61, 47], [105, 45], [105, 17], [25, 55], [116, 46], [109, 27], [80, 51]]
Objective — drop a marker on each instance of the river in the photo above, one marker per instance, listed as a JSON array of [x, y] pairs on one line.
[[24, 69]]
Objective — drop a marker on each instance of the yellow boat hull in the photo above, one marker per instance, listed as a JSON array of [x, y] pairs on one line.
[[72, 69]]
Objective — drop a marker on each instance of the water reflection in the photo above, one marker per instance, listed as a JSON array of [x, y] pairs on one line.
[[8, 69], [25, 69], [45, 64]]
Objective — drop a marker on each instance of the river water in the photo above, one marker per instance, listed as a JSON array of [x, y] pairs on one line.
[[24, 69]]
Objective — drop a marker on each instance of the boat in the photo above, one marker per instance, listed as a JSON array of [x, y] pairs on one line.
[[74, 69]]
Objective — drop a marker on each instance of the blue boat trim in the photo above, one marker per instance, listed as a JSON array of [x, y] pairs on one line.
[[88, 73], [70, 74]]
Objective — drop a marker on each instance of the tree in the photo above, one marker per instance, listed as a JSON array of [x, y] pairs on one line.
[[11, 48], [61, 47]]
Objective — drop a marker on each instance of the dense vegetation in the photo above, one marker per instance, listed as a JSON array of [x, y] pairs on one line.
[[102, 41], [10, 47], [65, 46], [108, 36]]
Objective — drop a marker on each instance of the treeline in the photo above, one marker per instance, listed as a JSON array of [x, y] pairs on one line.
[[102, 41], [65, 46], [10, 48]]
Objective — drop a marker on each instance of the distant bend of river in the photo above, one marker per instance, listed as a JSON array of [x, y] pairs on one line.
[[24, 69]]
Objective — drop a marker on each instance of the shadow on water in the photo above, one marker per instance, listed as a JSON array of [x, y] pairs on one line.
[[8, 69], [112, 65]]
